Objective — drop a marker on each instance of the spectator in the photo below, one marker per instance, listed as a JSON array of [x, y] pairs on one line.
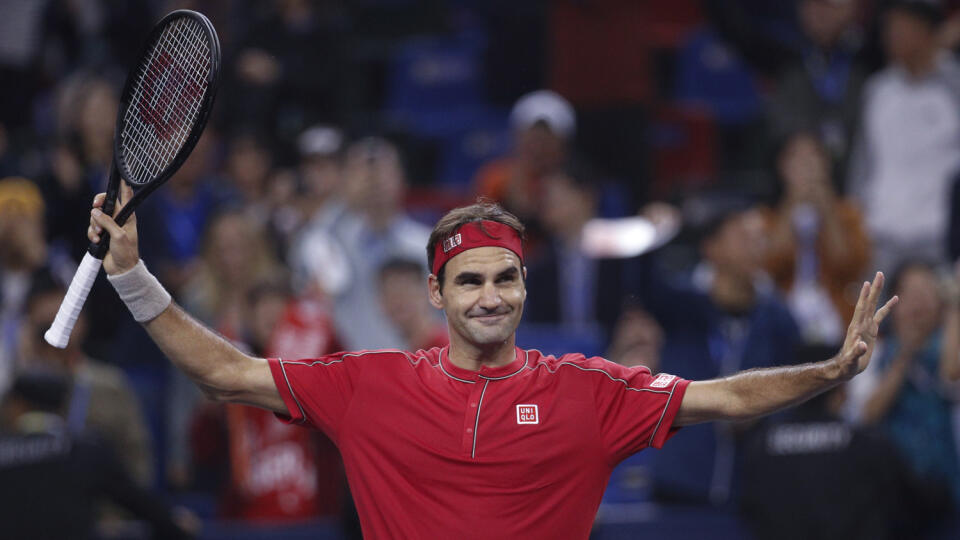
[[725, 318], [234, 259], [99, 397], [43, 466], [321, 173], [249, 163], [818, 248], [23, 257], [372, 230], [636, 342], [792, 459], [906, 155], [543, 125], [273, 473], [906, 390], [173, 220], [287, 66], [403, 301], [567, 287], [818, 90]]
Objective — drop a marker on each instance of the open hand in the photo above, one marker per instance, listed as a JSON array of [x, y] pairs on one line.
[[123, 253], [858, 346]]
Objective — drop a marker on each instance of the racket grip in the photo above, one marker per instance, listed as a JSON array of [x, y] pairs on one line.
[[59, 333]]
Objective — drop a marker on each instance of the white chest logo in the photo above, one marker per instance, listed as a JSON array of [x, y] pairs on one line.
[[527, 414], [662, 381]]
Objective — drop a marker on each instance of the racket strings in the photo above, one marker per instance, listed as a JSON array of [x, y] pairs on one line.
[[166, 98]]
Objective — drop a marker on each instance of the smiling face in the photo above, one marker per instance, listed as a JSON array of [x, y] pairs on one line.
[[482, 297]]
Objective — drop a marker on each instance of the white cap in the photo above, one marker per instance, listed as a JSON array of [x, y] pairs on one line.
[[320, 140], [544, 106]]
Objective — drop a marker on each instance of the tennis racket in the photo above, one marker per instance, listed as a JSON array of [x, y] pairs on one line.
[[164, 107]]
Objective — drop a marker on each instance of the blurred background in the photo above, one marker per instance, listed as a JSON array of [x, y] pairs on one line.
[[801, 144]]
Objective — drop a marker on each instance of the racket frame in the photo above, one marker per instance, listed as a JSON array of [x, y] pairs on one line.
[[119, 171]]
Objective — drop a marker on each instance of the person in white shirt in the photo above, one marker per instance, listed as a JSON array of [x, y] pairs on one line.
[[907, 153]]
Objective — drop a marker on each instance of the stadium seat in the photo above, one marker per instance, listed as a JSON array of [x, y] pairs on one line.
[[434, 84], [684, 148], [711, 74], [557, 340]]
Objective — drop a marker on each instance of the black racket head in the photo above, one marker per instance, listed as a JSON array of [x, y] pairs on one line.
[[167, 98]]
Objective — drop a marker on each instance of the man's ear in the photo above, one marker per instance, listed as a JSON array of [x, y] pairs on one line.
[[433, 291], [524, 283]]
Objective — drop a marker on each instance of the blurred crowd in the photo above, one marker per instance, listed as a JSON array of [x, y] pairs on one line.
[[802, 145]]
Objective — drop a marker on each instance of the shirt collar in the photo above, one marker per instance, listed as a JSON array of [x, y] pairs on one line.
[[485, 372]]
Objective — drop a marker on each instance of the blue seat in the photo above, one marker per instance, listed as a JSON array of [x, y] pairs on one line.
[[484, 134], [557, 340], [434, 83], [711, 74]]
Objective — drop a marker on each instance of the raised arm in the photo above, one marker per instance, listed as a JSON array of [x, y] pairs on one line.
[[759, 392], [222, 371]]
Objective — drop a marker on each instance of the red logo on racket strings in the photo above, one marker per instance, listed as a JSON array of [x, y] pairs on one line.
[[527, 414], [166, 86]]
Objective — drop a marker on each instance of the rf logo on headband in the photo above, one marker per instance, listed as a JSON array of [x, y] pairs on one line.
[[452, 242]]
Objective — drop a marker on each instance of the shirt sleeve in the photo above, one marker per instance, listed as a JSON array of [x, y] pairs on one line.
[[635, 409], [318, 391]]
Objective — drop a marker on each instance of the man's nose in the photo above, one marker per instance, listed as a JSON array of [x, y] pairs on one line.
[[489, 296]]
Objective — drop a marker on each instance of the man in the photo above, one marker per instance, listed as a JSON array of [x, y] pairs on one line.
[[544, 124], [402, 300], [99, 398], [724, 318], [371, 229], [906, 158], [44, 465], [819, 88], [481, 438], [571, 289]]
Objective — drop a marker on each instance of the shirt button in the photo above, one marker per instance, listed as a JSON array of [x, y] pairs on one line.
[[469, 430], [474, 404]]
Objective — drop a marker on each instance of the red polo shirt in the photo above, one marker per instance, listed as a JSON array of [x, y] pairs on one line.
[[519, 451]]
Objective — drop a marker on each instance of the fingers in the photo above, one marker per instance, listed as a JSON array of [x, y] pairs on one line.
[[876, 288], [98, 199], [106, 222], [860, 309], [126, 193], [885, 310]]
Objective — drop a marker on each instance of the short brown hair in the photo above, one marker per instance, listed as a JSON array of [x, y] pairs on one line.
[[456, 218]]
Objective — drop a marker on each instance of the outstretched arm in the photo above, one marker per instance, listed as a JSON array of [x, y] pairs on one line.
[[221, 370], [758, 392]]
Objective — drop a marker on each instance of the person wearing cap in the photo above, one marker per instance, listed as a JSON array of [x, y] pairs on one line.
[[906, 156], [320, 170], [479, 439], [23, 251], [543, 124]]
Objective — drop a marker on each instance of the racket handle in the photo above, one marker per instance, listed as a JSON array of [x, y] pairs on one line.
[[59, 333]]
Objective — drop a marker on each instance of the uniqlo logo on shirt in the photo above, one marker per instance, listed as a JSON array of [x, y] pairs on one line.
[[662, 381], [527, 414]]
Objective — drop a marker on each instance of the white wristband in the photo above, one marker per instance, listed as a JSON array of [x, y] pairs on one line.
[[143, 294]]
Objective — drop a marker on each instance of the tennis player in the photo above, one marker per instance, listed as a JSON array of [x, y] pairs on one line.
[[480, 439]]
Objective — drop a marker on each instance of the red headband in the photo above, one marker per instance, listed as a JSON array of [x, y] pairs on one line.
[[471, 235]]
